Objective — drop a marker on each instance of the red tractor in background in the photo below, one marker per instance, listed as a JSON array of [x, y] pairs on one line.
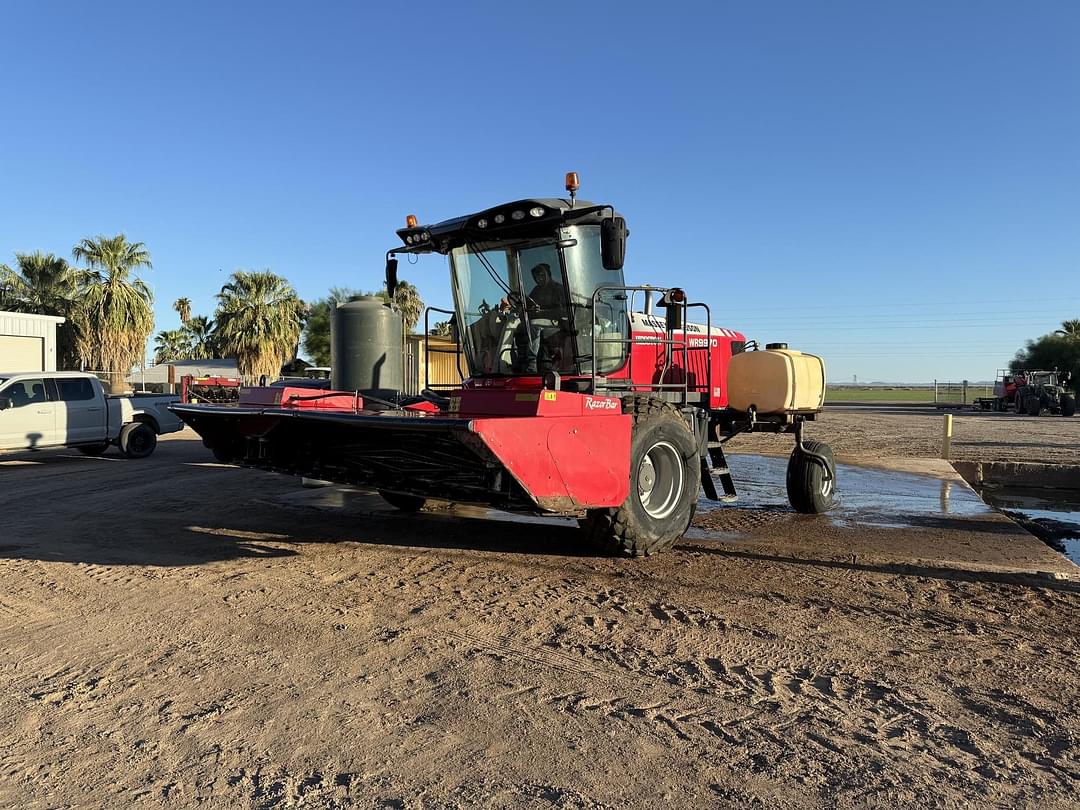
[[1029, 393], [580, 400]]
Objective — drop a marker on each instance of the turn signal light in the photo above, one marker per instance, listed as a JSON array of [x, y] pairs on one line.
[[410, 221], [676, 296]]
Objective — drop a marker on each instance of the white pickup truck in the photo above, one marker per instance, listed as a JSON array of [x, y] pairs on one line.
[[71, 409]]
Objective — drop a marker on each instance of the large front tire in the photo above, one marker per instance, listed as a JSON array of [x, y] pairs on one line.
[[665, 474], [809, 489], [137, 440], [1068, 404], [1032, 406]]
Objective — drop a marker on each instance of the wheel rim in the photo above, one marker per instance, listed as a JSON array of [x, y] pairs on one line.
[[139, 441], [660, 480], [827, 484]]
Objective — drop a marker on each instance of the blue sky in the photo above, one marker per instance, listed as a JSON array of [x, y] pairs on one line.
[[893, 186]]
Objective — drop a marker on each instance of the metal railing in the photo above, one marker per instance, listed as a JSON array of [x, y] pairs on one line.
[[676, 343], [428, 351]]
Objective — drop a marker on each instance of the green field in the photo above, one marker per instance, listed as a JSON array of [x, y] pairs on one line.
[[894, 394], [879, 394]]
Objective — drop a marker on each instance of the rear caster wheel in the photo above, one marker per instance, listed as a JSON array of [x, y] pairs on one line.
[[809, 489]]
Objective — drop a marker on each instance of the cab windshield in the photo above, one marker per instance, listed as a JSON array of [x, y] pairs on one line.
[[526, 307]]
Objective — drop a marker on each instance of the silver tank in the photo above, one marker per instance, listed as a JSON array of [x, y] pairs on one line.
[[366, 347]]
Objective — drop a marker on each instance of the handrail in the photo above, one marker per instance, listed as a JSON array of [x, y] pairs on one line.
[[670, 342], [456, 351]]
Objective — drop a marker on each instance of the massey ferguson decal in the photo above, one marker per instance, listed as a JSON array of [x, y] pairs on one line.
[[592, 404]]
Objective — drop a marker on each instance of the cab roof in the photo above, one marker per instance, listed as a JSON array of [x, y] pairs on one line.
[[521, 219]]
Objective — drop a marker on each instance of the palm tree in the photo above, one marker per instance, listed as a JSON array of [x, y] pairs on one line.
[[409, 303], [200, 336], [46, 285], [259, 319], [1069, 329], [173, 344], [183, 309], [115, 314]]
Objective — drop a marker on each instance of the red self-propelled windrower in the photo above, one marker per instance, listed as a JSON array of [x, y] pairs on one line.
[[580, 399]]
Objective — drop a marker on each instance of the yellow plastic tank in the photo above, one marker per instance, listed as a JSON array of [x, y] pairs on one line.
[[776, 381]]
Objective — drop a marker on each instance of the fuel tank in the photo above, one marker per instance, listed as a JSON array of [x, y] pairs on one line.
[[779, 380]]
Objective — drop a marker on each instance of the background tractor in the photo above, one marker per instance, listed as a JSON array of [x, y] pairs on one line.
[[583, 396], [1031, 392]]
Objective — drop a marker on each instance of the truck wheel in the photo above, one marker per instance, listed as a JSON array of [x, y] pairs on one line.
[[93, 449], [1068, 404], [137, 440], [1032, 406], [406, 503], [665, 474], [808, 488]]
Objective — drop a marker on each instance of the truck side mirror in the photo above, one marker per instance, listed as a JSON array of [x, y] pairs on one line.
[[5, 403], [613, 235], [391, 276]]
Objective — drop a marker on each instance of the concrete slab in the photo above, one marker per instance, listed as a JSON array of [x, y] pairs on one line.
[[901, 515]]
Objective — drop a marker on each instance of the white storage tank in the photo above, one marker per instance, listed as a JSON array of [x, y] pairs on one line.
[[777, 380]]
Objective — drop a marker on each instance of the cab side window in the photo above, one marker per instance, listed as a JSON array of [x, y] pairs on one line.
[[77, 389], [26, 392]]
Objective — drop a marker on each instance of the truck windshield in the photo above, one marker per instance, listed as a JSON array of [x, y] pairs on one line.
[[524, 309]]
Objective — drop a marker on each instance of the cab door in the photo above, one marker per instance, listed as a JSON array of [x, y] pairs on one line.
[[29, 422], [80, 412]]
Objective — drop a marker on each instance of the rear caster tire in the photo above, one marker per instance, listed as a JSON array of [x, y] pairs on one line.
[[94, 449], [137, 440], [1032, 406], [406, 503], [665, 474], [1068, 405], [809, 490]]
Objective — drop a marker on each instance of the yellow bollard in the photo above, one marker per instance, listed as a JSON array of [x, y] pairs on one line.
[[946, 437]]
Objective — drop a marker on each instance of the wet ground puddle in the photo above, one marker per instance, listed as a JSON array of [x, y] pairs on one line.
[[892, 499], [1053, 517]]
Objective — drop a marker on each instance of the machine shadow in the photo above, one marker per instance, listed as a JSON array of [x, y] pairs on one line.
[[204, 538]]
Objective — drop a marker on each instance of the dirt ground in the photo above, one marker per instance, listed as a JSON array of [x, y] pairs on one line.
[[178, 633]]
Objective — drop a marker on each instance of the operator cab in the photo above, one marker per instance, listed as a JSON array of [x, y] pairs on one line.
[[531, 285]]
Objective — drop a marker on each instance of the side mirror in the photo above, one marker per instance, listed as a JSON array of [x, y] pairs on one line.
[[391, 276], [5, 403], [613, 235]]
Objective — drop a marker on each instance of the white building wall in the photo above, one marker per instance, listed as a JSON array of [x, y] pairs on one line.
[[18, 324]]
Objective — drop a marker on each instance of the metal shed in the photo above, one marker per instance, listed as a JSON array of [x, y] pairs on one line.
[[28, 342]]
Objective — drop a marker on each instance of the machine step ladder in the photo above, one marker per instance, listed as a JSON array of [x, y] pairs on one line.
[[715, 464]]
